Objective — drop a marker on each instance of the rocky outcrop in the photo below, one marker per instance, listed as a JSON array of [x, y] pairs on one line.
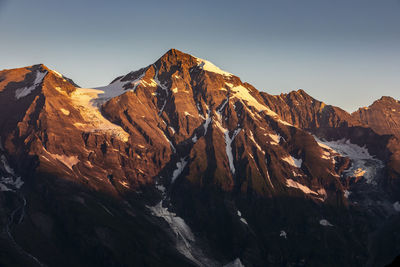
[[303, 111], [382, 116]]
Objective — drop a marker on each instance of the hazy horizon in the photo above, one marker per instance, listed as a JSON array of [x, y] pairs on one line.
[[344, 53]]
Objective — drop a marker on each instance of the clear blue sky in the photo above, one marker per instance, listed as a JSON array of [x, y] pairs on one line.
[[343, 52]]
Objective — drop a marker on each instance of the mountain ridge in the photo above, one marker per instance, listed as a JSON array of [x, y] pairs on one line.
[[187, 154], [177, 53]]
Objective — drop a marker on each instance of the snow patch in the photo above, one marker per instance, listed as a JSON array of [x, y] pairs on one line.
[[115, 89], [228, 144], [326, 155], [124, 184], [242, 93], [151, 83], [207, 122], [3, 188], [172, 129], [180, 166], [235, 263], [15, 182], [188, 114], [161, 188], [11, 181], [219, 111], [65, 111], [57, 73], [67, 161], [268, 177], [169, 141], [254, 141], [6, 166], [324, 146], [359, 172], [396, 206], [293, 161], [283, 234], [276, 138], [183, 234], [164, 88], [22, 92], [305, 189], [208, 66], [284, 122], [324, 222], [241, 218]]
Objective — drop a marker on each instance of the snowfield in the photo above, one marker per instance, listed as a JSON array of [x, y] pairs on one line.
[[83, 100], [363, 164]]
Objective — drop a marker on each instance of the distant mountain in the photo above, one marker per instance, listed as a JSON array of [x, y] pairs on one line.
[[303, 111], [182, 164], [382, 116]]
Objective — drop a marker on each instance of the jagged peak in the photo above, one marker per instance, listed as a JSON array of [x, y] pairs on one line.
[[28, 79], [388, 99], [300, 93], [384, 100], [172, 59], [34, 67], [38, 67], [174, 55]]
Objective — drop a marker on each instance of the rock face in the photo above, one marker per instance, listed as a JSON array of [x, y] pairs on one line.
[[182, 163], [382, 116], [305, 112], [374, 127]]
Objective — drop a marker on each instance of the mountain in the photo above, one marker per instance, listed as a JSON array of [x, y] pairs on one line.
[[182, 164]]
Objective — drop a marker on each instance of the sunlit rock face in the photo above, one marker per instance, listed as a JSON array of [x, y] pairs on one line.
[[181, 163]]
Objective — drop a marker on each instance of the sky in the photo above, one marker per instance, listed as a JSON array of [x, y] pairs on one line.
[[343, 52]]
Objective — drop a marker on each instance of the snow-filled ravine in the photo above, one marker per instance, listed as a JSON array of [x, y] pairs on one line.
[[183, 234], [185, 241]]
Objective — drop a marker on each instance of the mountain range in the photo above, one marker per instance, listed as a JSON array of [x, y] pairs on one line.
[[183, 164]]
